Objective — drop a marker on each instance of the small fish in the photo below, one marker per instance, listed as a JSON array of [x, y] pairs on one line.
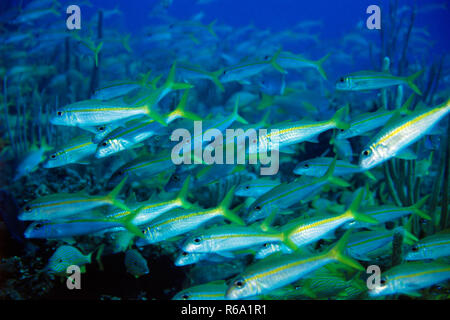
[[385, 213], [317, 167], [209, 291], [242, 72], [74, 151], [431, 247], [135, 263], [287, 194], [61, 205], [296, 132], [393, 140], [409, 277], [365, 122], [177, 222], [370, 80], [255, 188], [129, 136], [288, 60], [273, 273], [231, 238], [31, 160], [66, 256]]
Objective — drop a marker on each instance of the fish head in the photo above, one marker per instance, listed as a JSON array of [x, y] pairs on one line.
[[198, 243], [101, 132], [242, 287], [30, 211], [345, 84], [370, 157], [187, 258], [55, 159], [267, 249], [42, 230], [183, 295], [385, 287], [108, 147], [304, 168], [62, 117], [257, 212], [417, 252]]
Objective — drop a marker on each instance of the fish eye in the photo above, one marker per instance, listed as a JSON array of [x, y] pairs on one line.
[[59, 113], [266, 57], [27, 208], [383, 282], [104, 144], [415, 248], [185, 296], [247, 187], [197, 240], [53, 156], [265, 245], [101, 128], [224, 72], [342, 80], [306, 165], [366, 153], [184, 254], [38, 226], [239, 283], [120, 172], [341, 130], [176, 178], [257, 208]]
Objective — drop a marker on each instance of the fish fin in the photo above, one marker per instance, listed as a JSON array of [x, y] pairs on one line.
[[339, 118], [236, 114], [265, 225], [406, 154], [96, 52], [337, 253], [370, 175], [183, 194], [335, 180], [125, 42], [215, 78], [416, 208], [224, 206], [354, 206], [170, 81], [210, 29], [409, 80], [180, 110], [111, 197], [274, 62], [319, 63], [98, 256], [404, 109]]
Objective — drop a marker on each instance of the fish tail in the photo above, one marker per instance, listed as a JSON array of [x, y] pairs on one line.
[[170, 83], [97, 51], [181, 111], [127, 222], [210, 29], [183, 194], [155, 115], [288, 242], [274, 62], [338, 253], [126, 43], [319, 63], [215, 78], [339, 118], [353, 209], [419, 204], [410, 81], [370, 175], [112, 196], [266, 101], [335, 180], [236, 114], [98, 256], [224, 206]]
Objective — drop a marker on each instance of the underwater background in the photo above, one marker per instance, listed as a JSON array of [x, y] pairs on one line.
[[88, 176]]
